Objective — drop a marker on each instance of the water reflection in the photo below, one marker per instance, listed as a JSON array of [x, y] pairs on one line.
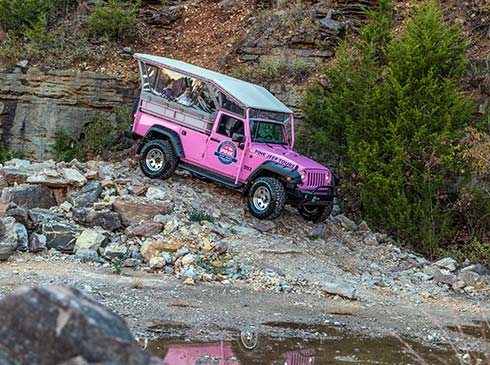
[[337, 350]]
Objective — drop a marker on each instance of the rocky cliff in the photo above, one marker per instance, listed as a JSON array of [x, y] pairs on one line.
[[34, 104]]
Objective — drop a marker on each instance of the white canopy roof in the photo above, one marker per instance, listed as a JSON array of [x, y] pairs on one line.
[[250, 95]]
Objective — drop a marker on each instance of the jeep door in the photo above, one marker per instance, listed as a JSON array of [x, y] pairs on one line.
[[223, 155]]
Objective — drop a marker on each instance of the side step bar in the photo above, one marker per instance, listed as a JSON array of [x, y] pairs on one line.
[[226, 181]]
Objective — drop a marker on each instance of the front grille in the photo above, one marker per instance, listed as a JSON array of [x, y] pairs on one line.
[[315, 179]]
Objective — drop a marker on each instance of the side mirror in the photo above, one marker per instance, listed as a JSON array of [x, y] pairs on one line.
[[237, 137]]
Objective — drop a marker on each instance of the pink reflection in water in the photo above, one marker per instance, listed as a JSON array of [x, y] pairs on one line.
[[221, 353]]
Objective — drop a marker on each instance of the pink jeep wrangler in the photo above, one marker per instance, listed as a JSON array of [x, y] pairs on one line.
[[227, 130]]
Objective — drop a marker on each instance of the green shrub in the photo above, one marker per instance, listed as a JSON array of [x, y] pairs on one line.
[[116, 19], [6, 155], [197, 215], [392, 117], [18, 15], [66, 148]]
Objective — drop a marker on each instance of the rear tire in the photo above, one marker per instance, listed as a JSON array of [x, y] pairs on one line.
[[266, 198], [158, 159], [315, 213]]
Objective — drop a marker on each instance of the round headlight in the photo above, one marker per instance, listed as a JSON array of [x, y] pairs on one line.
[[302, 174], [327, 175]]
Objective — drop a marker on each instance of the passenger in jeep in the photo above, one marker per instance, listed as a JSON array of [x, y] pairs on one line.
[[185, 98], [168, 92]]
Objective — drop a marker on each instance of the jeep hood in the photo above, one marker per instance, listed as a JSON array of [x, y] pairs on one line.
[[285, 156]]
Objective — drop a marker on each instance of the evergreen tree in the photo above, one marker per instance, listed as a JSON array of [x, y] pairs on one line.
[[393, 115]]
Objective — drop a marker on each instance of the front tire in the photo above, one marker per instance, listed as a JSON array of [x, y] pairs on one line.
[[266, 198], [315, 213], [158, 159]]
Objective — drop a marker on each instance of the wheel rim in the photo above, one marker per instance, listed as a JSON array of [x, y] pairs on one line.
[[310, 210], [261, 198], [249, 340], [154, 159]]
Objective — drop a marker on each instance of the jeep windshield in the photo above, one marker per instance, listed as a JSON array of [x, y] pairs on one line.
[[267, 132]]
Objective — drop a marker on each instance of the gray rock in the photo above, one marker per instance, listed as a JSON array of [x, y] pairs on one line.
[[128, 50], [105, 218], [87, 254], [181, 252], [167, 257], [51, 325], [37, 242], [469, 278], [87, 196], [156, 263], [90, 239], [22, 63], [346, 222], [189, 272], [114, 251], [188, 260], [341, 289], [447, 263], [61, 235], [220, 247], [477, 268], [155, 193], [22, 237], [8, 238], [29, 196], [444, 277]]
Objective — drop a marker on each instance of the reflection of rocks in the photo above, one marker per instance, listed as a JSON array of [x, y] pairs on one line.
[[54, 325]]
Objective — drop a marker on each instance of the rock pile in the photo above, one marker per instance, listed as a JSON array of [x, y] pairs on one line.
[[105, 213]]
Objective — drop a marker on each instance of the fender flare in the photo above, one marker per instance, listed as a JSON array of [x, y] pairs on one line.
[[276, 169], [172, 135]]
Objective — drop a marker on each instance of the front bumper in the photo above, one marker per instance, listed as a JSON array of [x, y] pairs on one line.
[[322, 195]]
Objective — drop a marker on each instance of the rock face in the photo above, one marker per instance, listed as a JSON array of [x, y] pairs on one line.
[[53, 325], [34, 104]]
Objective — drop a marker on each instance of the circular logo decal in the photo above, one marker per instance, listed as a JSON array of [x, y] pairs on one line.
[[226, 153]]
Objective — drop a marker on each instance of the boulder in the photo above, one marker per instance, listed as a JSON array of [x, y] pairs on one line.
[[444, 277], [14, 175], [29, 196], [114, 251], [341, 289], [345, 222], [104, 218], [90, 239], [22, 237], [8, 238], [153, 248], [37, 242], [87, 196], [54, 325], [477, 268], [147, 229], [74, 177], [61, 235], [447, 263], [157, 262], [155, 193], [133, 213]]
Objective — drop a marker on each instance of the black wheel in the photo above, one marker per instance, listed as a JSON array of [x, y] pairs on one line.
[[266, 198], [315, 213], [158, 159]]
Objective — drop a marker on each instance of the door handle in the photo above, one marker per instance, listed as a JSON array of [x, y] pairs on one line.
[[214, 140]]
